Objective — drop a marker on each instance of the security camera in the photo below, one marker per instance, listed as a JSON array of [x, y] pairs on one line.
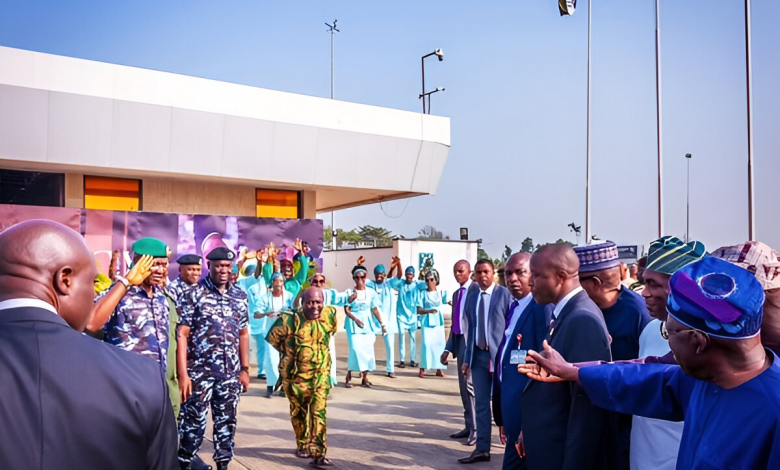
[[439, 54]]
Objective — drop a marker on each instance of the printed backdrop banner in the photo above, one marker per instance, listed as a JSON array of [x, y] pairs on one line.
[[106, 231]]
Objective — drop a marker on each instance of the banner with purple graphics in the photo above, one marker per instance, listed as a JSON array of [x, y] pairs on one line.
[[106, 231]]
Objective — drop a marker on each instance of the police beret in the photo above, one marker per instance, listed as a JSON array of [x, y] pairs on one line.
[[189, 259], [220, 253], [152, 247]]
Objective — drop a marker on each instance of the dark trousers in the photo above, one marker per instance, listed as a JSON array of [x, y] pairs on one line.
[[483, 384], [512, 461], [464, 383]]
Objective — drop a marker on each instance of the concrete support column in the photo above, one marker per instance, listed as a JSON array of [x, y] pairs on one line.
[[309, 204], [74, 190]]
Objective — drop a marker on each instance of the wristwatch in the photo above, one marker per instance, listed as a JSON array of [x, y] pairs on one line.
[[245, 369], [123, 281]]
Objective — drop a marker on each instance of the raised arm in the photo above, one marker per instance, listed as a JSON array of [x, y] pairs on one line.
[[106, 304]]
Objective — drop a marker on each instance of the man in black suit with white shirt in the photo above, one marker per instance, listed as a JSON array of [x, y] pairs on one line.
[[70, 402]]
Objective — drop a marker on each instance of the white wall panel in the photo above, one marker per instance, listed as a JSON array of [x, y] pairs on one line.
[[196, 142], [140, 136], [248, 148], [79, 130], [295, 148], [23, 121]]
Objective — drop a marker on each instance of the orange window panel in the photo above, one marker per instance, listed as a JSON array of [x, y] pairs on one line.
[[116, 194], [277, 204]]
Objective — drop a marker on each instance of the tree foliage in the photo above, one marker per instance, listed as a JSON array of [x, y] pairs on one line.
[[431, 233], [376, 236]]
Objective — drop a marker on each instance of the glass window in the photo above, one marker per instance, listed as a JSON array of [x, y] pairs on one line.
[[277, 204], [32, 188], [115, 194]]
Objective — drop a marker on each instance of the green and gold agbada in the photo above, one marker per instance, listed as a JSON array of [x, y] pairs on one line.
[[304, 366]]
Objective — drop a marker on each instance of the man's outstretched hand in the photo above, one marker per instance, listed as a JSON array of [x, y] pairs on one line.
[[549, 366]]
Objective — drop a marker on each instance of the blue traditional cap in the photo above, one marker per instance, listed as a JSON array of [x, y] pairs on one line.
[[152, 247], [359, 269], [410, 269], [668, 254], [597, 257], [186, 260], [380, 269], [220, 253], [718, 298], [275, 276]]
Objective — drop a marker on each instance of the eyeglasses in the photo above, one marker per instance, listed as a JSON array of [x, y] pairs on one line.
[[315, 282], [430, 279], [360, 276]]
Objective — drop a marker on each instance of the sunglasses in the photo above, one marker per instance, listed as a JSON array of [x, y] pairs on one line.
[[430, 279], [360, 276], [317, 281]]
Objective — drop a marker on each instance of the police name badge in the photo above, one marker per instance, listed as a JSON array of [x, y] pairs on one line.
[[518, 357]]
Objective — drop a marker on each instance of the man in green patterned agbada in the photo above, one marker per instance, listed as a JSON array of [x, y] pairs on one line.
[[302, 337]]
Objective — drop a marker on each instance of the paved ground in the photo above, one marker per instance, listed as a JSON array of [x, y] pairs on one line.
[[401, 423]]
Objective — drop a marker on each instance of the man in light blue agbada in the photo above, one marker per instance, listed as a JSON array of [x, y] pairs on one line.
[[385, 293], [409, 298]]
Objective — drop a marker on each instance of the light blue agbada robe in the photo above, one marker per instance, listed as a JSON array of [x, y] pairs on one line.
[[255, 288], [736, 428], [387, 310], [432, 324], [361, 340], [266, 304], [406, 313]]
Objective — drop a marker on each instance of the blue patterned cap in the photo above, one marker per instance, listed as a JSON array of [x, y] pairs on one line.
[[379, 269], [668, 254], [410, 269], [718, 298], [597, 257]]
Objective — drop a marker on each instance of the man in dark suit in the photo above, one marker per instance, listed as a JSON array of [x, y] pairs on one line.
[[564, 430], [68, 401], [456, 344], [527, 326], [486, 311]]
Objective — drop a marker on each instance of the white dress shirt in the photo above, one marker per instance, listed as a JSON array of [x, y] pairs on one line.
[[18, 303], [559, 306], [462, 302], [519, 307], [486, 299]]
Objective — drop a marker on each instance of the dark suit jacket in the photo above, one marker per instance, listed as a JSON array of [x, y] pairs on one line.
[[562, 428], [534, 325], [499, 305], [68, 401], [450, 346]]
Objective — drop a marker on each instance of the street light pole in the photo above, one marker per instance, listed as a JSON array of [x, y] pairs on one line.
[[440, 55], [749, 73], [658, 115], [688, 201], [587, 144], [333, 30]]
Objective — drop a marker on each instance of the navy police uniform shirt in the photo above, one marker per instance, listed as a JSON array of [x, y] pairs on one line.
[[215, 319]]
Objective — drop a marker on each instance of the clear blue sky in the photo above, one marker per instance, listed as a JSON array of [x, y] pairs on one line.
[[515, 78]]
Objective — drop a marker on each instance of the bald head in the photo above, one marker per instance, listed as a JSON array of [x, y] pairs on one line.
[[554, 270], [45, 260], [312, 301]]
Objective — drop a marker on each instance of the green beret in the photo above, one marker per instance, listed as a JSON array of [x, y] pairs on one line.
[[152, 247]]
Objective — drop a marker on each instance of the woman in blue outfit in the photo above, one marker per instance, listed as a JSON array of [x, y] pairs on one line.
[[269, 306], [432, 323], [361, 331]]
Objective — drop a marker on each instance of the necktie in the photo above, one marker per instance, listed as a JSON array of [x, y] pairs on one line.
[[481, 322], [552, 326], [456, 312], [504, 339]]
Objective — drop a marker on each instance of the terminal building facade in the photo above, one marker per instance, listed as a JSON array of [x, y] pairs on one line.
[[82, 134]]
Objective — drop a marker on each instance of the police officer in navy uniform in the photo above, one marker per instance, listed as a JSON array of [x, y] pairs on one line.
[[189, 275], [213, 359]]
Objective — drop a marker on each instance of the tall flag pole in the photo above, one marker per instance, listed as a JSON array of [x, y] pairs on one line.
[[749, 73], [658, 116]]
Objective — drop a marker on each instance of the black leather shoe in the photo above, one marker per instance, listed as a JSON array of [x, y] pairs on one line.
[[184, 466], [476, 456], [198, 464], [224, 465], [261, 376], [460, 434]]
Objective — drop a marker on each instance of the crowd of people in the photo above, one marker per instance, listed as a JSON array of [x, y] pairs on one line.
[[581, 362]]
